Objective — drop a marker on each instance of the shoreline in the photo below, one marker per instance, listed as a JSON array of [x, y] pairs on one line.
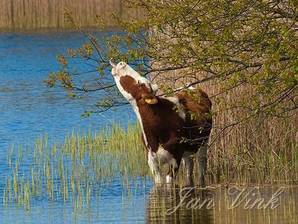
[[57, 30]]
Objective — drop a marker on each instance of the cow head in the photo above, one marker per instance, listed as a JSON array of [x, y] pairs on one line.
[[132, 85]]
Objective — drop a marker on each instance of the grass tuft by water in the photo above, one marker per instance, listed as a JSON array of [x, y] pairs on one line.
[[77, 169]]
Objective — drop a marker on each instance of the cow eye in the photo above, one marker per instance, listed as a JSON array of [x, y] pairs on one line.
[[122, 64]]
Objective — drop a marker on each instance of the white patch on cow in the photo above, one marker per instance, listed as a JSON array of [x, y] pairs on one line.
[[154, 167], [123, 69], [136, 110], [126, 70], [145, 81], [178, 106], [169, 179], [164, 157]]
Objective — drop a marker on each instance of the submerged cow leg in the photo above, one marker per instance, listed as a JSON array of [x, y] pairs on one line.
[[154, 167], [173, 169], [202, 159], [172, 173], [188, 163]]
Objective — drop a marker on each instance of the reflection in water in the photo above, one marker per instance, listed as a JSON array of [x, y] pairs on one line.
[[256, 205], [223, 205], [175, 205]]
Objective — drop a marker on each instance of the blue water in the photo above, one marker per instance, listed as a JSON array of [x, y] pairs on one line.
[[29, 110]]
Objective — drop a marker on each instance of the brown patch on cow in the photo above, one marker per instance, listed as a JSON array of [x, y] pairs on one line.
[[139, 91], [128, 84], [162, 124], [196, 104], [198, 121]]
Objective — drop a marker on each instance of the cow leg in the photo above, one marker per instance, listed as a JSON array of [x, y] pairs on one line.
[[202, 159], [188, 163], [173, 169], [171, 175], [154, 167]]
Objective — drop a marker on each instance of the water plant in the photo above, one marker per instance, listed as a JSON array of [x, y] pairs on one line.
[[77, 169]]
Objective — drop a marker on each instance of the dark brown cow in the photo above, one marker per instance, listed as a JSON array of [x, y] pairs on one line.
[[173, 128]]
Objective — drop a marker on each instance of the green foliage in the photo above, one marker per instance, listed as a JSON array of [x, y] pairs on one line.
[[234, 43]]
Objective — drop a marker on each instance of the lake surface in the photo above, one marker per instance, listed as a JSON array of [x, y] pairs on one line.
[[30, 110]]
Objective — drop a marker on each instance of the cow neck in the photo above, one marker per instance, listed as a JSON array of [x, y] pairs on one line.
[[146, 110], [140, 118]]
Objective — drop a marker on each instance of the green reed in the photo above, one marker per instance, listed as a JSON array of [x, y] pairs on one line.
[[83, 164], [74, 169]]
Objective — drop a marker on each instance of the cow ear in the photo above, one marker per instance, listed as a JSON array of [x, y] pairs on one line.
[[151, 100]]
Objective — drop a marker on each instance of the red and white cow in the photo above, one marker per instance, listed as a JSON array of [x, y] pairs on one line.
[[173, 128]]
